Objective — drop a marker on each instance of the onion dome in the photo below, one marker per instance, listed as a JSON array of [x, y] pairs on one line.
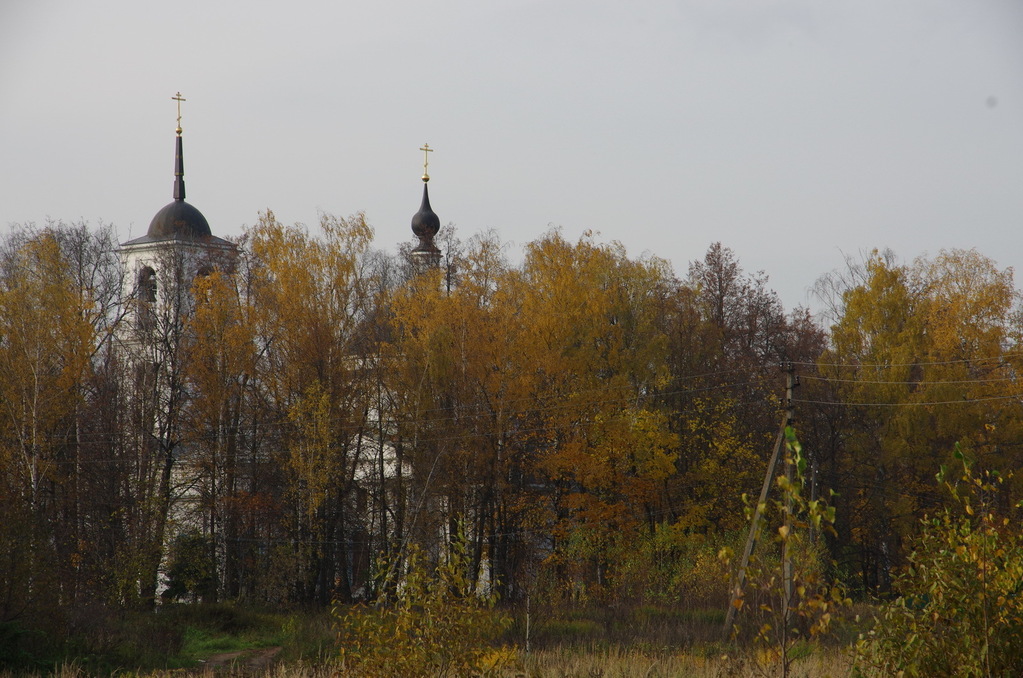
[[425, 224]]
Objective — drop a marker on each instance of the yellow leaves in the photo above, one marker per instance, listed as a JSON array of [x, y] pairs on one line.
[[968, 300], [313, 452], [436, 625], [315, 283], [648, 442], [715, 461], [224, 337], [583, 309], [47, 339], [550, 360], [932, 340]]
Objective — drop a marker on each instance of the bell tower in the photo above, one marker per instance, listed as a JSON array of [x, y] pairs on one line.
[[177, 246]]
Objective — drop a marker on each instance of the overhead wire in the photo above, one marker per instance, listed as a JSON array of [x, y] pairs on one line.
[[1001, 358], [463, 416], [845, 403], [908, 382]]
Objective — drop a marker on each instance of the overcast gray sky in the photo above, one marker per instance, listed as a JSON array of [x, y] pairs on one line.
[[792, 131]]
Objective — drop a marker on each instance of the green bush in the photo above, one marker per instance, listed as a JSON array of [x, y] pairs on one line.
[[960, 611], [12, 651], [192, 573]]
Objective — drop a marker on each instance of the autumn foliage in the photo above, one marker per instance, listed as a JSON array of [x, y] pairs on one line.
[[586, 420]]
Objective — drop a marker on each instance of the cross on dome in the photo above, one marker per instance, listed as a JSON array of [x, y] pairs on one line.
[[425, 148], [177, 97]]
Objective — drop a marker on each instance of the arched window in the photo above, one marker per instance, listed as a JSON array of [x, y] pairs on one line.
[[147, 284]]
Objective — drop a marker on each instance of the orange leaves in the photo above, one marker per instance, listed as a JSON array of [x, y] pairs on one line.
[[529, 381]]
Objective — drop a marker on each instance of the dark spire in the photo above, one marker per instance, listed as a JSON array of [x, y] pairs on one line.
[[179, 169], [178, 219], [179, 160]]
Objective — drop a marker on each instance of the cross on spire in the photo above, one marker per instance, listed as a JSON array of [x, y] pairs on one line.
[[426, 160], [177, 97]]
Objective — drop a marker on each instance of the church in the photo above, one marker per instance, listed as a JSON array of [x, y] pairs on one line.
[[179, 244], [161, 268]]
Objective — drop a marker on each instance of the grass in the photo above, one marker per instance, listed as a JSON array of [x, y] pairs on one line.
[[558, 662], [652, 641], [173, 637], [591, 642], [625, 662], [199, 644]]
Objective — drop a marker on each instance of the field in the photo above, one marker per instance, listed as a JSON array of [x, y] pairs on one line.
[[587, 642]]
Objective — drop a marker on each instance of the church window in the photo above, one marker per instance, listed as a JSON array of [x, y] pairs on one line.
[[147, 284]]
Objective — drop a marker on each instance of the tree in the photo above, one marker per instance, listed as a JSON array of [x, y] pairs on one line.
[[220, 418], [728, 337], [919, 354], [452, 377], [592, 353], [791, 596], [313, 301], [59, 288]]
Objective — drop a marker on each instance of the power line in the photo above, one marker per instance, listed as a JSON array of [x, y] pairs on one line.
[[906, 382], [963, 401], [458, 413], [919, 363]]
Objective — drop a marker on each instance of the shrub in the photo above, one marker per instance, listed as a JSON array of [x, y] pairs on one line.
[[192, 573], [960, 611], [434, 625], [673, 565]]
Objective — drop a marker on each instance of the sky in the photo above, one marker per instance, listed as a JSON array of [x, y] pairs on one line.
[[795, 132]]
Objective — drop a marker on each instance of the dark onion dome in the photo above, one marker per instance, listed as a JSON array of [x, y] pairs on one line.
[[178, 219], [425, 224]]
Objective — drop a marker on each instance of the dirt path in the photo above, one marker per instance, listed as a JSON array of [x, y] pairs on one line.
[[250, 659]]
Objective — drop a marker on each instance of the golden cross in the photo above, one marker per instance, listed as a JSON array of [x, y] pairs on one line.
[[177, 97], [426, 160]]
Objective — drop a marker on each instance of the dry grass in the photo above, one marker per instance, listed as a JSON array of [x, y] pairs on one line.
[[591, 643], [608, 662], [619, 662]]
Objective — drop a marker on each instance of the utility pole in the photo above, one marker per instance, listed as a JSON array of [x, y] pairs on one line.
[[791, 381], [786, 555]]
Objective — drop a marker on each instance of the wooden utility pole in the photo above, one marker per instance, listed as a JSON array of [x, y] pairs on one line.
[[754, 531], [786, 555]]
